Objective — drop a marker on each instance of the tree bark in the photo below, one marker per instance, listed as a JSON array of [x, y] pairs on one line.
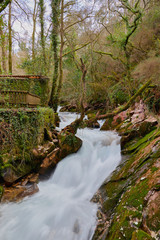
[[34, 17], [55, 21], [42, 10], [127, 105], [60, 56], [3, 46], [10, 40]]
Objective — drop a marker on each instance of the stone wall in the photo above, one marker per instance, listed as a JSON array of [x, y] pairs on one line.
[[33, 84], [22, 130]]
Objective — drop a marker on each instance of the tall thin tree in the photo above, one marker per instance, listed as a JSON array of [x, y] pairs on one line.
[[55, 4], [42, 42], [10, 39]]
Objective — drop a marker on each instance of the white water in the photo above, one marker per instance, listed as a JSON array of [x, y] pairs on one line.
[[62, 210]]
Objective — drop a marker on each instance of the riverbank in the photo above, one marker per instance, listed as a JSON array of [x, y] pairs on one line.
[[30, 148], [129, 201]]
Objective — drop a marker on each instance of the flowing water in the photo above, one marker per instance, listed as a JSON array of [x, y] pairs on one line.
[[62, 210]]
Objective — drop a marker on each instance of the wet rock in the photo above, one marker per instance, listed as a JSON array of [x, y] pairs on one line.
[[146, 126], [17, 193], [130, 199], [42, 151], [10, 175], [138, 113], [112, 122], [69, 143], [152, 211], [50, 161]]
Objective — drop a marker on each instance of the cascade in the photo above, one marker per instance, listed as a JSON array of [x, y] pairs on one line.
[[62, 208]]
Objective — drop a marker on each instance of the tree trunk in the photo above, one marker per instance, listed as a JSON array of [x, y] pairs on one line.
[[34, 17], [3, 46], [10, 40], [127, 105], [42, 10], [55, 21], [60, 56], [83, 88]]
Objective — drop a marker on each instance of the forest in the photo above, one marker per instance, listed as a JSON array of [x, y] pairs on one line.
[[118, 42], [80, 82]]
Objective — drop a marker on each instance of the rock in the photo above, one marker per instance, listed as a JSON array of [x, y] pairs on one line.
[[139, 113], [15, 194], [96, 125], [146, 126], [152, 211], [10, 176], [50, 161], [33, 178], [69, 143], [112, 122], [42, 151]]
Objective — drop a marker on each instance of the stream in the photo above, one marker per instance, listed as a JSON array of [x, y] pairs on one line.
[[62, 210]]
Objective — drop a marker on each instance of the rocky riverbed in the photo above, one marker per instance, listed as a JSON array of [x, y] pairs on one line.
[[129, 201]]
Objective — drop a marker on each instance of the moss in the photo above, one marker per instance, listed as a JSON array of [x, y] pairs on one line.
[[154, 169], [140, 235], [142, 143], [128, 214], [1, 192], [34, 85], [25, 131]]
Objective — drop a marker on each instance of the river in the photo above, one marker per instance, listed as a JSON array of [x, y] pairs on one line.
[[62, 210]]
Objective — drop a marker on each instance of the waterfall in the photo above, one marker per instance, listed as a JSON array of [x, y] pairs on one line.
[[62, 210]]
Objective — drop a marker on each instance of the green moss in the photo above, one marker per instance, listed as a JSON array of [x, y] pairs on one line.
[[39, 87], [140, 235], [25, 131], [1, 192], [154, 169], [128, 214], [142, 143]]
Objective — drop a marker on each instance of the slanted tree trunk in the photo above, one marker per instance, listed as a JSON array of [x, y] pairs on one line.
[[10, 40], [127, 105]]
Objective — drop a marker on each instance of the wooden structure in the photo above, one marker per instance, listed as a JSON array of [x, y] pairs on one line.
[[23, 98], [24, 90]]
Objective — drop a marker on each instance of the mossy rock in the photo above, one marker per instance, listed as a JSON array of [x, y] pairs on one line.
[[69, 143], [26, 130], [107, 124], [140, 235]]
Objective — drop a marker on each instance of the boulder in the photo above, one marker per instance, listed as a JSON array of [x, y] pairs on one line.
[[50, 161], [69, 143], [17, 193], [112, 122]]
